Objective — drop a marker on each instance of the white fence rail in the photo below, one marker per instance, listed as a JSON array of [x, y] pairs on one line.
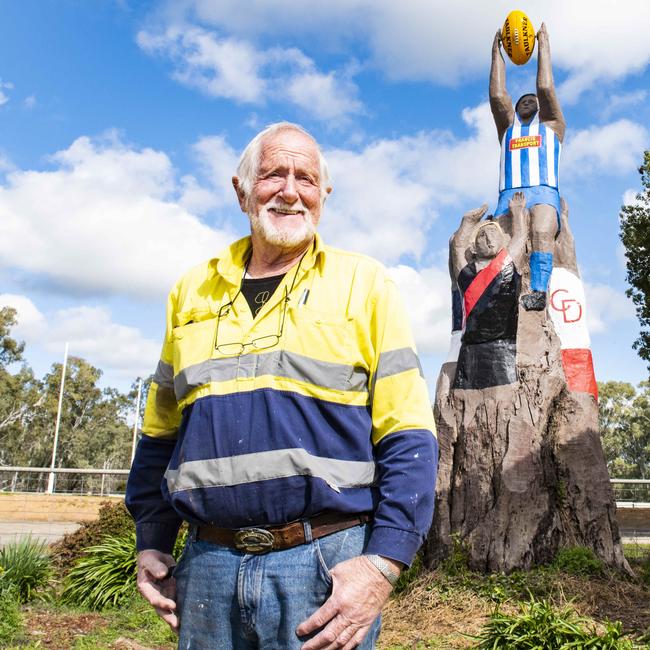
[[102, 482], [113, 482]]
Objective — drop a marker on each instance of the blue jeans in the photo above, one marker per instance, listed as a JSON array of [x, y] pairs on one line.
[[229, 600]]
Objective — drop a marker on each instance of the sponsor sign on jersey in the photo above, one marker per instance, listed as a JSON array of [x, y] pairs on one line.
[[525, 142]]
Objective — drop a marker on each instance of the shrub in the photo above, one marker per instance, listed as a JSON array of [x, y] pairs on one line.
[[104, 576], [113, 520], [25, 566], [579, 561], [539, 627]]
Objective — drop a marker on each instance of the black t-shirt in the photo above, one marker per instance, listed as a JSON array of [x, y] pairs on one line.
[[257, 291]]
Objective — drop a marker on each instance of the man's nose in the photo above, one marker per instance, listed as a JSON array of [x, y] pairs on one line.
[[289, 191]]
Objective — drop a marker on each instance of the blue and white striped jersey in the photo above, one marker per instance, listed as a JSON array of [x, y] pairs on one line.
[[530, 156]]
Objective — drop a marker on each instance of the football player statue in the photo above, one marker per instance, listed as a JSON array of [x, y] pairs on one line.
[[531, 137], [488, 285]]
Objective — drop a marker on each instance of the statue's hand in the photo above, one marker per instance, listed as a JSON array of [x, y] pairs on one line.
[[474, 216], [517, 202], [542, 36], [496, 45]]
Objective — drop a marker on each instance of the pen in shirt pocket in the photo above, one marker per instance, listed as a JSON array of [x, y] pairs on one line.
[[303, 298]]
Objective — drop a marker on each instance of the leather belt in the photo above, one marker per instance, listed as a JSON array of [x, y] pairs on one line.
[[276, 538]]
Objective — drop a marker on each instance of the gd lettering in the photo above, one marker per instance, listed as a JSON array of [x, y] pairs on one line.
[[570, 308]]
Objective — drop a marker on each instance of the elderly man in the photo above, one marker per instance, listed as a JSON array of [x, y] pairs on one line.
[[531, 138], [289, 423]]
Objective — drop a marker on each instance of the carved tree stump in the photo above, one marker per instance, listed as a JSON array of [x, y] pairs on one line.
[[522, 472]]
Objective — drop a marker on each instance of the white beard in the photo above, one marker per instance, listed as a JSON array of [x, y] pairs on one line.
[[275, 234]]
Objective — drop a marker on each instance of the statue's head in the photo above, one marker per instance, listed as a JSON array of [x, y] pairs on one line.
[[526, 106], [488, 240]]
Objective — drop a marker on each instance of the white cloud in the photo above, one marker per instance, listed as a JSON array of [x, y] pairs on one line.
[[107, 218], [427, 299], [121, 352], [625, 100], [386, 195], [226, 67], [233, 68], [30, 102], [30, 322], [115, 348], [4, 98], [326, 96], [630, 198], [612, 148], [594, 42], [605, 306]]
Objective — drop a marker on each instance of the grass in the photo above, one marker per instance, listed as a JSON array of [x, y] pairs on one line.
[[136, 621], [11, 619], [451, 607], [539, 626], [443, 610]]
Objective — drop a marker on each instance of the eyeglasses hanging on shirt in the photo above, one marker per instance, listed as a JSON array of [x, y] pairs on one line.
[[262, 342]]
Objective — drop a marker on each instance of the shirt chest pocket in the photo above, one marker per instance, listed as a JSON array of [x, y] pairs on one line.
[[193, 338], [327, 345]]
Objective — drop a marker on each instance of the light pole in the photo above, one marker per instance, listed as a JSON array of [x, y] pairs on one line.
[[136, 419], [50, 481]]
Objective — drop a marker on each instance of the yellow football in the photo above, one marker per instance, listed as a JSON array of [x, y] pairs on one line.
[[518, 37]]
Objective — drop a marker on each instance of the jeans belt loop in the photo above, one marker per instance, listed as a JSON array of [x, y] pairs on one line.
[[306, 526]]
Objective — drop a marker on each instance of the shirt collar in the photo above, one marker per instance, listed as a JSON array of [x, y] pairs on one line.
[[230, 262]]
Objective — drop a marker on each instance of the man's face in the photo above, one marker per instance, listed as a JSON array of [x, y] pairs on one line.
[[285, 203], [527, 107], [489, 241]]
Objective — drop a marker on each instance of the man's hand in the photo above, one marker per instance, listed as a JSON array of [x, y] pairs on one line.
[[474, 216], [156, 584], [359, 591]]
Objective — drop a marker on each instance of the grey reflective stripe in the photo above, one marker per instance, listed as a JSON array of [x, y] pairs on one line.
[[164, 375], [395, 361], [266, 465], [280, 363]]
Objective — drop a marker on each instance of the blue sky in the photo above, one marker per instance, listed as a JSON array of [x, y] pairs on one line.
[[122, 122]]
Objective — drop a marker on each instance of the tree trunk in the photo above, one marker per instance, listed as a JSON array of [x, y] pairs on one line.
[[522, 472]]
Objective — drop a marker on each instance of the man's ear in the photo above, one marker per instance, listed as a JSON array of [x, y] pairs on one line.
[[241, 197]]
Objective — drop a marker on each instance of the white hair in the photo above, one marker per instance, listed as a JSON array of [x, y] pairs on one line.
[[249, 162]]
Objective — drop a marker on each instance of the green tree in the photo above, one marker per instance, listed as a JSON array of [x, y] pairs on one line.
[[624, 419], [10, 350], [20, 392], [635, 235], [94, 430]]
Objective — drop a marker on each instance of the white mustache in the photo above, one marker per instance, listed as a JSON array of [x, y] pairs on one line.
[[286, 207]]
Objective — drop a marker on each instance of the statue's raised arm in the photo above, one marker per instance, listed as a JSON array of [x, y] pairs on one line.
[[500, 100], [550, 112]]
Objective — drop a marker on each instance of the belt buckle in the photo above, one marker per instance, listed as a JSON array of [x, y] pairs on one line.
[[253, 540]]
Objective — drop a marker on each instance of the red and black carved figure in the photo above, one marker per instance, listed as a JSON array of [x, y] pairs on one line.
[[488, 349], [484, 266]]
